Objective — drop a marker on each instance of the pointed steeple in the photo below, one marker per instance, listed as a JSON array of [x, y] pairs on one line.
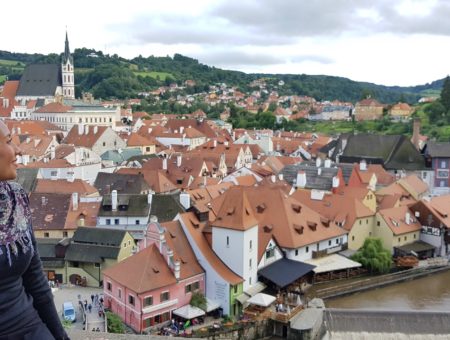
[[67, 56]]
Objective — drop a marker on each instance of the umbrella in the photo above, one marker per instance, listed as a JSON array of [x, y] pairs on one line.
[[261, 299], [188, 312]]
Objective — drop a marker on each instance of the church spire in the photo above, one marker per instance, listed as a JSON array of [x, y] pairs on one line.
[[67, 56]]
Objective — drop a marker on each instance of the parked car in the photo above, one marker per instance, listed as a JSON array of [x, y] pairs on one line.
[[68, 311]]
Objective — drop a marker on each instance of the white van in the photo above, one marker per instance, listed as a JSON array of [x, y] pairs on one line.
[[68, 311]]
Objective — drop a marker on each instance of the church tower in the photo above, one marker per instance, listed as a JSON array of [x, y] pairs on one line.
[[68, 79]]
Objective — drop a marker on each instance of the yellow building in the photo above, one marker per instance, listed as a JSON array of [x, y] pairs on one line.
[[396, 227]]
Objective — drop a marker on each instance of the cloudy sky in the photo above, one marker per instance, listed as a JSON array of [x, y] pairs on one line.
[[390, 42]]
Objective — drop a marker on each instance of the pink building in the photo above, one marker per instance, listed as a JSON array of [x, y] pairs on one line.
[[147, 287]]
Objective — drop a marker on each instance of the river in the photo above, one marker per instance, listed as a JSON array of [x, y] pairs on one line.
[[427, 293]]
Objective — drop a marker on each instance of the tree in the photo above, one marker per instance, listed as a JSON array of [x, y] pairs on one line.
[[445, 94], [115, 325], [373, 256], [198, 300]]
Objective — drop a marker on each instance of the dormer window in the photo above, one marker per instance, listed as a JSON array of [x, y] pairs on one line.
[[312, 225]]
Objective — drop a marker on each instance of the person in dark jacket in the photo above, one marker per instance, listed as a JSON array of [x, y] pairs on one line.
[[27, 310]]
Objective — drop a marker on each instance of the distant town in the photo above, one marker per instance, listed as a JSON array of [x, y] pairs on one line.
[[194, 222]]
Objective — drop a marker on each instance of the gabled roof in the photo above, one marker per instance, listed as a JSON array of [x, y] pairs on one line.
[[137, 140], [40, 80], [166, 207], [99, 236], [195, 230], [49, 211], [435, 149], [63, 186], [137, 206], [235, 212], [142, 272], [177, 241], [157, 180], [202, 126], [395, 218], [392, 151], [54, 108], [123, 183], [87, 140]]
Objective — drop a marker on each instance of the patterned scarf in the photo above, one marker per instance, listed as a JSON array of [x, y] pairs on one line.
[[15, 220]]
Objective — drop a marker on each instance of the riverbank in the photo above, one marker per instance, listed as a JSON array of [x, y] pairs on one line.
[[355, 285]]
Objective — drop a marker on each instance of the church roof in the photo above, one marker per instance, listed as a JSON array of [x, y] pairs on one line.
[[40, 80]]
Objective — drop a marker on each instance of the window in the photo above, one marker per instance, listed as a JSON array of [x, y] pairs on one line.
[[378, 223], [97, 265], [65, 234], [108, 286], [406, 238], [54, 173], [353, 238], [119, 293], [138, 222], [307, 249], [164, 296], [250, 263], [235, 288], [270, 253], [228, 241], [337, 241], [250, 281], [399, 239], [131, 299], [442, 174], [360, 222], [124, 244], [414, 236], [116, 221], [250, 244], [147, 149], [46, 235], [148, 301], [148, 322], [443, 164], [329, 242], [370, 233], [104, 143], [296, 252], [367, 221], [108, 221]]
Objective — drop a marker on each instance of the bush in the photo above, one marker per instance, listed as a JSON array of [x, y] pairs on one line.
[[115, 324], [198, 300]]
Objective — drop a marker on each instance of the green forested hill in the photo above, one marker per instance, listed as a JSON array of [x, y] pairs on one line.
[[110, 76]]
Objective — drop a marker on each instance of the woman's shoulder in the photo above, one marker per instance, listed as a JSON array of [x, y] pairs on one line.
[[12, 187]]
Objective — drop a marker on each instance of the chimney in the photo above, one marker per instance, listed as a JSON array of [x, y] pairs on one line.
[[416, 133], [225, 143], [318, 162], [179, 158], [408, 218], [181, 129], [335, 183], [75, 201], [5, 103], [177, 269], [185, 200], [215, 143], [95, 129], [114, 200], [301, 179], [328, 163], [162, 240], [273, 178], [150, 130], [164, 165], [169, 256], [86, 129], [52, 152], [43, 201], [28, 140], [19, 131], [417, 214], [280, 177], [363, 165], [80, 129], [149, 198], [319, 171]]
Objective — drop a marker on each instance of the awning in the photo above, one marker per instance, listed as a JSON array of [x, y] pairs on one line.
[[188, 312], [284, 272], [417, 247], [258, 287], [211, 305], [243, 298], [261, 299], [331, 263]]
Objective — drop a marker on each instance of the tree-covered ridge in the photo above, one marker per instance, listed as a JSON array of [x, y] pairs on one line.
[[109, 76]]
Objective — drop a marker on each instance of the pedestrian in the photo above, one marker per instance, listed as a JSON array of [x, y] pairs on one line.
[[85, 305], [96, 299], [101, 301], [90, 308], [92, 298], [27, 310]]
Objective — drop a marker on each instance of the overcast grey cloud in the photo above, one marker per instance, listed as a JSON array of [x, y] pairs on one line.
[[391, 42]]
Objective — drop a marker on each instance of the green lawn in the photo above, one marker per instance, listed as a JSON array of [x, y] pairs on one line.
[[153, 74], [4, 62], [2, 78]]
